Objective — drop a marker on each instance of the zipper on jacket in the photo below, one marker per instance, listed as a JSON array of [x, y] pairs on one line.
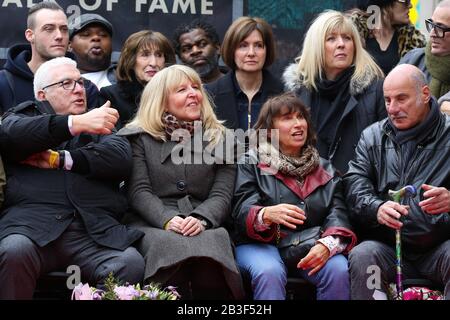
[[249, 115]]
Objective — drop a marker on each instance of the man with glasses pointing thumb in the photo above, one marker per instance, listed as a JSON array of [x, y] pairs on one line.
[[63, 204]]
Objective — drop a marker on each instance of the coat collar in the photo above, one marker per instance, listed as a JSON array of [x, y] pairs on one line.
[[316, 179], [294, 81]]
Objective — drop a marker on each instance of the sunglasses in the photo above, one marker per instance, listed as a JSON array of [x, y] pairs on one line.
[[439, 31]]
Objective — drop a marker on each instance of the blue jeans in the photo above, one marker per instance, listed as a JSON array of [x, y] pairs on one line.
[[268, 274]]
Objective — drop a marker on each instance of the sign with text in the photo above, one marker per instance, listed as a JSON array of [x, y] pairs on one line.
[[126, 16]]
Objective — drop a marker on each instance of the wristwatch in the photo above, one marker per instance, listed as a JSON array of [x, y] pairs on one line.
[[204, 223]]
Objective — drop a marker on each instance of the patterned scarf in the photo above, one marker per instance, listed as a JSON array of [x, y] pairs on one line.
[[439, 69], [171, 123], [297, 167]]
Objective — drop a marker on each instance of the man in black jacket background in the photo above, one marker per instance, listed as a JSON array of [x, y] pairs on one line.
[[48, 35], [62, 202], [410, 147]]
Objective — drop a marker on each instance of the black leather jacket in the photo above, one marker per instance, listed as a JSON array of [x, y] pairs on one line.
[[321, 196], [377, 168]]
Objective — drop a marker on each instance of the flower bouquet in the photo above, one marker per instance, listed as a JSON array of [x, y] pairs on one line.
[[415, 293], [115, 291]]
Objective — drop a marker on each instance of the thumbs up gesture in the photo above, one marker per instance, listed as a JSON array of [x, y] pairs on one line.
[[97, 121]]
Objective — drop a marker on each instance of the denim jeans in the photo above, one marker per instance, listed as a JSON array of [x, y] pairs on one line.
[[268, 274]]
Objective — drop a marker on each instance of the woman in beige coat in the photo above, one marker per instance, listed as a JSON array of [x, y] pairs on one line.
[[181, 206]]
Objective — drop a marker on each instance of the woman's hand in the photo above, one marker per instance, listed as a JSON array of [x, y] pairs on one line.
[[191, 226], [315, 259], [285, 214], [174, 224]]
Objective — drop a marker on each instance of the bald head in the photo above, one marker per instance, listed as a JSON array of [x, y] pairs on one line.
[[407, 71], [407, 96], [444, 3]]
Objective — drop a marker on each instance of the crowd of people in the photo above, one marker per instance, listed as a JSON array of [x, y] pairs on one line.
[[124, 168]]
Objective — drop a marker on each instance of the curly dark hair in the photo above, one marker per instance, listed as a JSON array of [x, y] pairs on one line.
[[209, 29]]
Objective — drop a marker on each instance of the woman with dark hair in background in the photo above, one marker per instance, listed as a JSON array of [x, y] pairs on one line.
[[394, 35], [248, 48], [143, 54]]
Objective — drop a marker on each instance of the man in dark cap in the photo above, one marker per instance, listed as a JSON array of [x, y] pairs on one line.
[[90, 38]]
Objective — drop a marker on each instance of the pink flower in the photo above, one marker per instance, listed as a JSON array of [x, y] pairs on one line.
[[82, 292], [126, 292]]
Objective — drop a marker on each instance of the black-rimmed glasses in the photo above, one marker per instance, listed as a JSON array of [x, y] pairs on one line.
[[438, 30], [68, 84]]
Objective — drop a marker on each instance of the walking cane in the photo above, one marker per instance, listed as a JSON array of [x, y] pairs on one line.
[[405, 192]]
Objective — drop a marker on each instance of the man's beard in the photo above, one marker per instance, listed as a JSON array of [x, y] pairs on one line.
[[96, 63], [205, 69]]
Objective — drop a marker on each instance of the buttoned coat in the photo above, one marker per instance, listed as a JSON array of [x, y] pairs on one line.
[[160, 189]]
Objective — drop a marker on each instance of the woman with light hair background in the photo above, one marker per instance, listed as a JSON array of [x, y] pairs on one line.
[[181, 207], [340, 82]]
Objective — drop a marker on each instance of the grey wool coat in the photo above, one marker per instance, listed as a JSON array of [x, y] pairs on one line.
[[159, 189]]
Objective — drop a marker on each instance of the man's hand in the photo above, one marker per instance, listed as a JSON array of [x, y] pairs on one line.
[[315, 259], [437, 199], [97, 121], [389, 214], [285, 214], [42, 160]]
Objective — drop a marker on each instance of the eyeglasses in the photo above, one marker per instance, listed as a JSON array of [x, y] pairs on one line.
[[438, 30], [67, 84], [405, 2]]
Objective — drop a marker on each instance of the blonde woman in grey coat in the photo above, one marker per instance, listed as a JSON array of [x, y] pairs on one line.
[[181, 206]]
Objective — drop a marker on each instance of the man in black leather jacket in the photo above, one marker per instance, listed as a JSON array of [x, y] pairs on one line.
[[62, 202], [410, 147]]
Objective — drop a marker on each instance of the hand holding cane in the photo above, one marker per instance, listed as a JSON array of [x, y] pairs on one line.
[[405, 192]]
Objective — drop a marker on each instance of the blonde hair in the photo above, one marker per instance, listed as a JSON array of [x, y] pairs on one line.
[[311, 62], [155, 99]]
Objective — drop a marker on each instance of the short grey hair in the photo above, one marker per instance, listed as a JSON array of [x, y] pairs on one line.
[[419, 80], [44, 73]]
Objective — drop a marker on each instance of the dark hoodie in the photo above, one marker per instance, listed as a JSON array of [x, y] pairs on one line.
[[22, 80]]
